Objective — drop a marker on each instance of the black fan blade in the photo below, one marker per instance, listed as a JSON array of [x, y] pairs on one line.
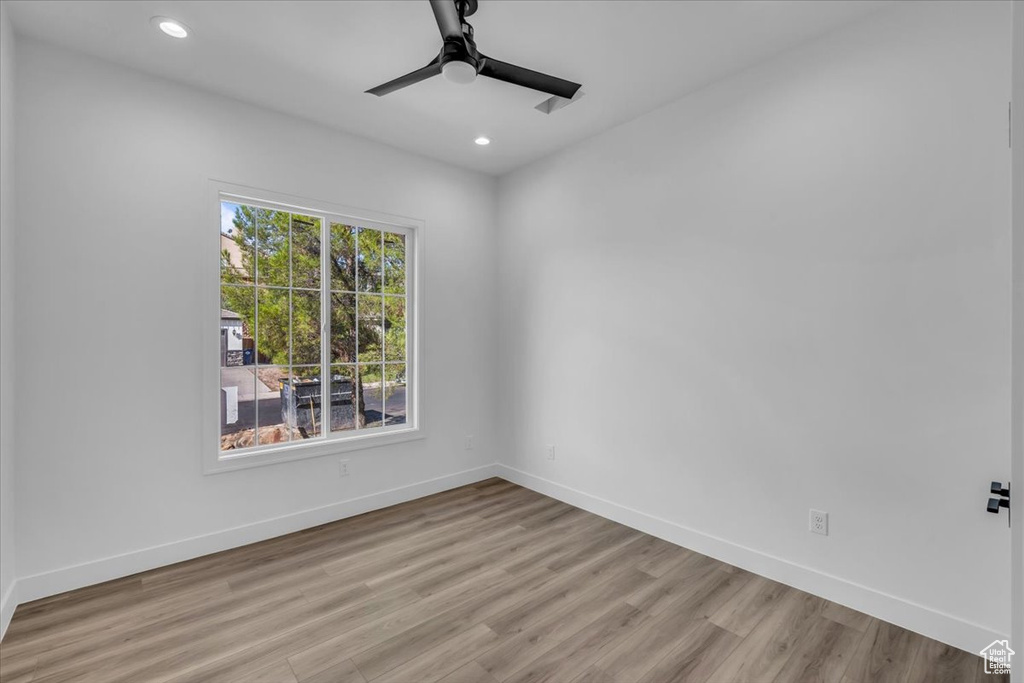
[[527, 78], [432, 69], [447, 18]]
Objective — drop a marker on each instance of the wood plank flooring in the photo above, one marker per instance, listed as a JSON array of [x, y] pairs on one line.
[[489, 583]]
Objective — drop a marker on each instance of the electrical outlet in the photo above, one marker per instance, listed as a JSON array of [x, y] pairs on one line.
[[343, 468], [819, 522], [550, 452], [469, 442]]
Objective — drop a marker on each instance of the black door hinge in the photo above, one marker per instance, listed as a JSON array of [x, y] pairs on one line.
[[1001, 501]]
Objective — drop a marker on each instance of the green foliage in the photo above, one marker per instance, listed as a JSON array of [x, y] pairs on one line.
[[394, 263], [394, 329]]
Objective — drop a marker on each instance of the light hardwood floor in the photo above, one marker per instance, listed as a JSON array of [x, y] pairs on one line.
[[489, 582]]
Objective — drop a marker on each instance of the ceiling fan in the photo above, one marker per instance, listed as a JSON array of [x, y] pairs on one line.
[[460, 62]]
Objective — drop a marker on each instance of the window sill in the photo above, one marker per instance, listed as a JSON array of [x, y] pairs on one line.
[[301, 451]]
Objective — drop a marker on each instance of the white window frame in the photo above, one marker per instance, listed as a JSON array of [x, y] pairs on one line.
[[216, 460]]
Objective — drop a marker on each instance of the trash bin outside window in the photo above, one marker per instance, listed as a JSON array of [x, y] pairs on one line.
[[301, 404]]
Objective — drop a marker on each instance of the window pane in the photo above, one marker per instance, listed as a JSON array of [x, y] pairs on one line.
[[394, 263], [371, 328], [237, 406], [271, 418], [394, 393], [343, 257], [343, 398], [237, 378], [305, 251], [302, 402], [372, 404], [272, 326], [236, 245], [394, 328], [271, 245], [343, 328], [369, 260], [237, 308], [305, 327]]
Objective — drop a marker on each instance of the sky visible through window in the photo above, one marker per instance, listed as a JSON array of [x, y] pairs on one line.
[[227, 218]]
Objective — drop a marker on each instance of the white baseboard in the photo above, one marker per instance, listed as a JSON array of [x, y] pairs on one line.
[[7, 604], [918, 618], [69, 578]]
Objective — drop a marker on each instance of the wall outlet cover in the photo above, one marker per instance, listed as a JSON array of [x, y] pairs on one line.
[[819, 522]]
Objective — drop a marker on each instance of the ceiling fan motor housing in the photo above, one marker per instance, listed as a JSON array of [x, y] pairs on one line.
[[460, 61], [456, 51]]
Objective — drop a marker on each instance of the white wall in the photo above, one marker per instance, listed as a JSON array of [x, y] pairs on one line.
[[112, 180], [8, 598], [789, 290]]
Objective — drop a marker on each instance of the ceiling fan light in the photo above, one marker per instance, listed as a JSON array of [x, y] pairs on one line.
[[459, 72]]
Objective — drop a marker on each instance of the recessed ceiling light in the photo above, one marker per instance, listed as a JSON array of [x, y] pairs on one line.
[[482, 140], [173, 28]]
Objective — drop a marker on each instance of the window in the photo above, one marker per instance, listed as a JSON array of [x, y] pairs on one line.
[[315, 332]]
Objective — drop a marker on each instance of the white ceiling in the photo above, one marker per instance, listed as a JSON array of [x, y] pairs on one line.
[[315, 59]]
